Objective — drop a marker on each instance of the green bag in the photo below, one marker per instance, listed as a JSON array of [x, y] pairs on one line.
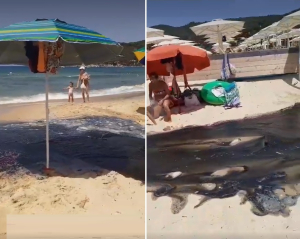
[[209, 97]]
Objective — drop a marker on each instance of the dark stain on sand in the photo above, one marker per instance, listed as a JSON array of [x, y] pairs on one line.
[[77, 147], [258, 159]]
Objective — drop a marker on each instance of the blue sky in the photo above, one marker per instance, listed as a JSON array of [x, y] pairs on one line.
[[181, 12], [121, 20]]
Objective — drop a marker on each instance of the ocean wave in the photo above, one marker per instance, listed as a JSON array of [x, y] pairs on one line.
[[58, 96], [72, 76]]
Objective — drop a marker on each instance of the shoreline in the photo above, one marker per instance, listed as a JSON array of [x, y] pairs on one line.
[[104, 97], [77, 96], [109, 105]]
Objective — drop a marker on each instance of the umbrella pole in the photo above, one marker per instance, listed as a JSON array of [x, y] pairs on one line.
[[47, 121], [220, 40], [186, 84], [176, 88]]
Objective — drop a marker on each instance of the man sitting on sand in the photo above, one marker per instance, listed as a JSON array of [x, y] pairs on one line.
[[161, 100]]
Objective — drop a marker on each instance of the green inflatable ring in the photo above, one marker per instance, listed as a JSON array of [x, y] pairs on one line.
[[209, 97]]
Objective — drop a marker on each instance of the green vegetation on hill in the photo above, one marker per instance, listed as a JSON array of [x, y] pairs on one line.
[[127, 57], [252, 26]]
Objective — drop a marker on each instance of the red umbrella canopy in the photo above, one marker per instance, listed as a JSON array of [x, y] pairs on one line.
[[192, 58]]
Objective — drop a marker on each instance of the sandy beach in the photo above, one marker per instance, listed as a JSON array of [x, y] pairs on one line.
[[258, 97], [124, 106], [93, 191], [224, 218]]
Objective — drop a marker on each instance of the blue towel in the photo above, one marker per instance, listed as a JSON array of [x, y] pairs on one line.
[[232, 96], [230, 87]]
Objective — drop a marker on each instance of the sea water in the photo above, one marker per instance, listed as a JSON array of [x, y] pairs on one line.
[[19, 85]]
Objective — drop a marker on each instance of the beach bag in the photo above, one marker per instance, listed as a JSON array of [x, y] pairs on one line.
[[190, 99], [84, 76], [82, 86], [197, 92]]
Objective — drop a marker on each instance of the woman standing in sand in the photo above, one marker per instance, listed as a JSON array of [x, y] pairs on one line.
[[84, 81]]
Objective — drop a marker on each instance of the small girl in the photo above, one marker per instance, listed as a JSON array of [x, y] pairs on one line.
[[70, 88]]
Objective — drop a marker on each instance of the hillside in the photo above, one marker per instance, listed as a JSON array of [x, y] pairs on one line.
[[127, 57], [252, 26]]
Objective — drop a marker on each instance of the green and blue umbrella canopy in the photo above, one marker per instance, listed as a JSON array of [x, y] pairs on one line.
[[81, 44]]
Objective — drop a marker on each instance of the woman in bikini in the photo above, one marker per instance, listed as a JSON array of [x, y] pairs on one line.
[[159, 95], [84, 81]]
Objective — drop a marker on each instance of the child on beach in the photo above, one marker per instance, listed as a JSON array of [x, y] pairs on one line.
[[71, 89]]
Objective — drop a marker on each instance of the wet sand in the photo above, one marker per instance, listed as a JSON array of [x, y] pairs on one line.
[[97, 151]]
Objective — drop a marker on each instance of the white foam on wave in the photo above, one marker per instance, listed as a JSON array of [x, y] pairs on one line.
[[77, 94], [72, 76]]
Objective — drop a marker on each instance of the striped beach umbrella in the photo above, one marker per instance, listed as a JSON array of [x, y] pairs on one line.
[[82, 46], [140, 55], [22, 43]]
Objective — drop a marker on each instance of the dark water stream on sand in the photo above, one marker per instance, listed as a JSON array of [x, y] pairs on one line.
[[77, 146], [258, 159]]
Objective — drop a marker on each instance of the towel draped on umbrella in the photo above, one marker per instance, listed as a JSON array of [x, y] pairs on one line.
[[44, 57]]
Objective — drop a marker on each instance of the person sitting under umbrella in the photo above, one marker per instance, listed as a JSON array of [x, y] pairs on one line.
[[161, 100]]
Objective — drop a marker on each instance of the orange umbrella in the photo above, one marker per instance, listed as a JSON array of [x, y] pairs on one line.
[[192, 58]]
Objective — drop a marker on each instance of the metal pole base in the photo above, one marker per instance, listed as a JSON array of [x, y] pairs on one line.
[[49, 171]]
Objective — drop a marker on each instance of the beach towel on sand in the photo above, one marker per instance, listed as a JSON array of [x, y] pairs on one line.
[[232, 96]]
